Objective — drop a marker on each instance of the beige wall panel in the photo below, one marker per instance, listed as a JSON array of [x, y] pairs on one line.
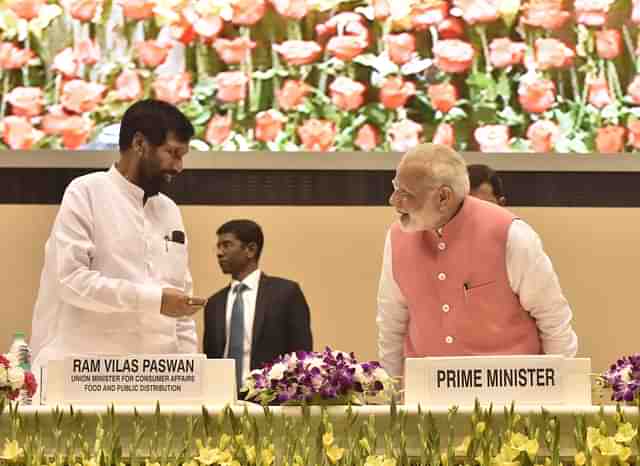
[[335, 253]]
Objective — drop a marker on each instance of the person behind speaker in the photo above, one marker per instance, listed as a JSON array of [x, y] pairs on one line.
[[257, 317], [486, 184], [115, 278], [461, 276]]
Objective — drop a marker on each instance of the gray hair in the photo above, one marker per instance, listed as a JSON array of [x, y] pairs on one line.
[[444, 166]]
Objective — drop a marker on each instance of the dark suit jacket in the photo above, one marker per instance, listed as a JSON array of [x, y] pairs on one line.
[[281, 322]]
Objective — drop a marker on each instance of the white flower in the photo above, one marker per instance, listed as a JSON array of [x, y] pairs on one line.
[[358, 375], [277, 371], [16, 377], [625, 374], [3, 376], [316, 382], [293, 360], [381, 375], [345, 356], [314, 362], [13, 359]]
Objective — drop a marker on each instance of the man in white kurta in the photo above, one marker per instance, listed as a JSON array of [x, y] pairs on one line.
[[115, 278]]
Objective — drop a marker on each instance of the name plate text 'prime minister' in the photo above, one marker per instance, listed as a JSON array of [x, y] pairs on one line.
[[511, 377]]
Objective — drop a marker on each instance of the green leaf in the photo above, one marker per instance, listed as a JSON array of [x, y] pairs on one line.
[[635, 111], [565, 120], [46, 14], [8, 23], [416, 66], [380, 63], [503, 88], [202, 118], [611, 113], [482, 88], [510, 117], [205, 87], [456, 113], [520, 145], [480, 80], [563, 144], [376, 115], [199, 144], [577, 145], [264, 75]]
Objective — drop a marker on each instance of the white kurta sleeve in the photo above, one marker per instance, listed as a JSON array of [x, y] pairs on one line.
[[392, 318], [533, 279], [186, 326], [81, 286]]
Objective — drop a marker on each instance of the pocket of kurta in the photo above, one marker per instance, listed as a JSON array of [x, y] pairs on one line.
[[174, 264]]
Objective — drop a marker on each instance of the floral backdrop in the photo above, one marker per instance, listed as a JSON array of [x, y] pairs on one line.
[[325, 75]]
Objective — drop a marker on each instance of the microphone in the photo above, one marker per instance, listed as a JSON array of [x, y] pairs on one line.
[[177, 236]]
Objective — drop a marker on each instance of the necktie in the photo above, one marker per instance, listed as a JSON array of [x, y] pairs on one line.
[[236, 332]]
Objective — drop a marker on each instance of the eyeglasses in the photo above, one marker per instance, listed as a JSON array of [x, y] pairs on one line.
[[404, 194], [399, 191]]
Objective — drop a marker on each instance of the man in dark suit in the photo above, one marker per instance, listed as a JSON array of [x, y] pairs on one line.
[[257, 317]]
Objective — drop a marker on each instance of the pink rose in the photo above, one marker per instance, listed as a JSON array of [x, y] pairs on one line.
[[367, 138], [453, 55], [543, 135], [404, 135], [493, 138], [218, 129], [79, 96], [232, 86], [18, 133], [26, 101], [347, 94], [173, 88]]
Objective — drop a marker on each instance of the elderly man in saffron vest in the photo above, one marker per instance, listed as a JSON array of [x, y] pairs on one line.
[[462, 276]]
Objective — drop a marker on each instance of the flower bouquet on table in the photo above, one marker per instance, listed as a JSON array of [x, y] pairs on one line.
[[623, 378], [13, 378], [328, 377]]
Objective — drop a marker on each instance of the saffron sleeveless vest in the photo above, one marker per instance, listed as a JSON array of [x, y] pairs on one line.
[[457, 288]]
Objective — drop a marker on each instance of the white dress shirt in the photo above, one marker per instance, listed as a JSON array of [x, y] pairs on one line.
[[106, 262], [531, 277], [249, 297]]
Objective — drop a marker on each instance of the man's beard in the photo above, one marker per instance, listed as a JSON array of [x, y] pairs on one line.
[[152, 180]]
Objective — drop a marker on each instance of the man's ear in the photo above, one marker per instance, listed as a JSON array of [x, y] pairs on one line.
[[502, 200], [139, 144], [445, 193], [252, 248]]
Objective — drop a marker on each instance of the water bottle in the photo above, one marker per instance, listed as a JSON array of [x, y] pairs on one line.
[[20, 348]]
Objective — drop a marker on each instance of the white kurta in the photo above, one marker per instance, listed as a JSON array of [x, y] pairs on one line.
[[106, 262]]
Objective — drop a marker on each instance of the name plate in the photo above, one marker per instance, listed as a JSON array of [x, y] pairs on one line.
[[162, 377], [539, 380], [169, 378]]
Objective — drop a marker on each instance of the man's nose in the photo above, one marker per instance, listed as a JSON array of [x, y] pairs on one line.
[[393, 199], [178, 166]]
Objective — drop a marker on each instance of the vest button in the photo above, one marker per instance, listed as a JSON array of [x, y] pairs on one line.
[[442, 246], [442, 276], [445, 308], [449, 339]]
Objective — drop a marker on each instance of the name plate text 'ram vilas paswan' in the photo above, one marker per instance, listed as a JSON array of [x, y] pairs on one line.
[[161, 377]]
